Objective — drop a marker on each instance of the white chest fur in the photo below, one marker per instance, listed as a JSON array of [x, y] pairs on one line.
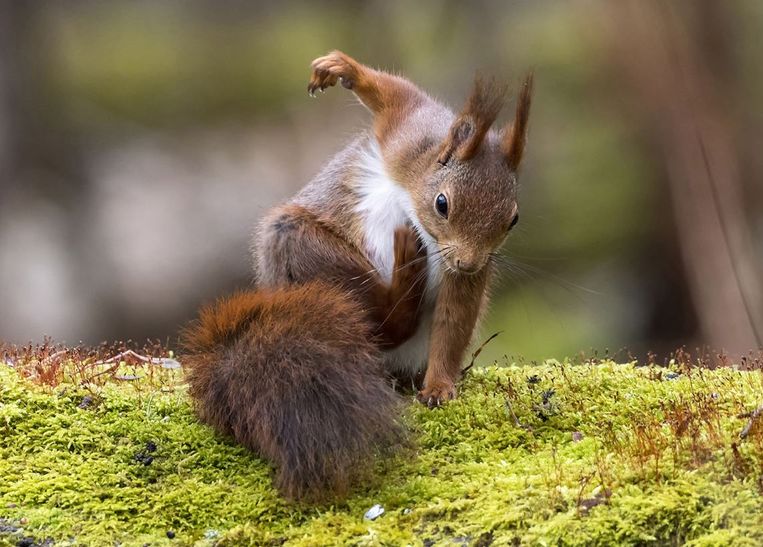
[[384, 206], [381, 209]]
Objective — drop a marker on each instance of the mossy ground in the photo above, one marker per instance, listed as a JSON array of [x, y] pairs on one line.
[[555, 454]]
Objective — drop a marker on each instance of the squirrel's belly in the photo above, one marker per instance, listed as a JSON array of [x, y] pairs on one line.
[[411, 356]]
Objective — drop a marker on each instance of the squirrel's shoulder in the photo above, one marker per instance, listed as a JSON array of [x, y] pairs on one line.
[[337, 178]]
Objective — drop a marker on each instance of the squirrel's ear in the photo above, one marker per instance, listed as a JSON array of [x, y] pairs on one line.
[[469, 130], [515, 135]]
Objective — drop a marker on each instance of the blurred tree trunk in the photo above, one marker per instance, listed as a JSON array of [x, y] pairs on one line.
[[6, 93], [674, 56], [41, 163]]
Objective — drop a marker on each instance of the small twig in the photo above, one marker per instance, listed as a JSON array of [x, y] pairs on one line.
[[109, 370], [754, 415], [583, 483], [514, 416], [478, 351], [53, 357], [130, 353]]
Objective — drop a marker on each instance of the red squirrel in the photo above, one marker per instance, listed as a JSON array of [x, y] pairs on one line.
[[378, 267]]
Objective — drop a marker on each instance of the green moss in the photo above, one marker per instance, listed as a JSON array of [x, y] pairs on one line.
[[557, 454]]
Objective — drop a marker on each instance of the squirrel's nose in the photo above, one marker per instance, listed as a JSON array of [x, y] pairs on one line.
[[466, 267]]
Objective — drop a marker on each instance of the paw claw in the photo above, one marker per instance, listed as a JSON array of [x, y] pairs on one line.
[[437, 395], [327, 70]]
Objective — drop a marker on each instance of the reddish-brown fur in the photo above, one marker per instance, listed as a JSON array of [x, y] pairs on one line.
[[294, 370], [470, 128], [515, 137], [460, 303], [294, 375], [389, 97], [303, 247], [474, 168]]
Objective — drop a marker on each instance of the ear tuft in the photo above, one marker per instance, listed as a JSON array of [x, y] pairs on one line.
[[469, 130], [515, 136]]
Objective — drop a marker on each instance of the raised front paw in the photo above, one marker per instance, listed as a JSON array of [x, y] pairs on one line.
[[437, 393], [327, 70]]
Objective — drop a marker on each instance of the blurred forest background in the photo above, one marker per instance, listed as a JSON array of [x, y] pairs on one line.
[[141, 141]]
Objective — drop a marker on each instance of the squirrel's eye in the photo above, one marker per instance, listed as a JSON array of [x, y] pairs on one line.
[[514, 221], [441, 205]]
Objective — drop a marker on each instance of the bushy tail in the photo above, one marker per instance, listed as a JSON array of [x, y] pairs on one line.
[[293, 375]]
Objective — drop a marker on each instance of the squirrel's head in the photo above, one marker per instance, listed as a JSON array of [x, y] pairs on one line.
[[468, 201]]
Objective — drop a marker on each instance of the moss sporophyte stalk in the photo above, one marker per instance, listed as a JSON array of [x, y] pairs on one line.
[[555, 454]]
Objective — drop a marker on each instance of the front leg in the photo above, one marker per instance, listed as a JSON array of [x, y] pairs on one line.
[[458, 306], [388, 97]]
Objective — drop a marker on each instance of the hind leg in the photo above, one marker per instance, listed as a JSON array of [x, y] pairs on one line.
[[295, 247]]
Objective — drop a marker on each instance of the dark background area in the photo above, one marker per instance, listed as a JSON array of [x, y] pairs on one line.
[[141, 141]]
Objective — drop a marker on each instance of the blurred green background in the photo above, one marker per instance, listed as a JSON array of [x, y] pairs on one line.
[[141, 141]]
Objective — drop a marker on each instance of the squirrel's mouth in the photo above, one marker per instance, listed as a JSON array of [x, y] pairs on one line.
[[457, 267], [467, 271]]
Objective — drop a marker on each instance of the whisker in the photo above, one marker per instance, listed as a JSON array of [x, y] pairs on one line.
[[526, 268], [434, 253], [439, 255], [517, 275]]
